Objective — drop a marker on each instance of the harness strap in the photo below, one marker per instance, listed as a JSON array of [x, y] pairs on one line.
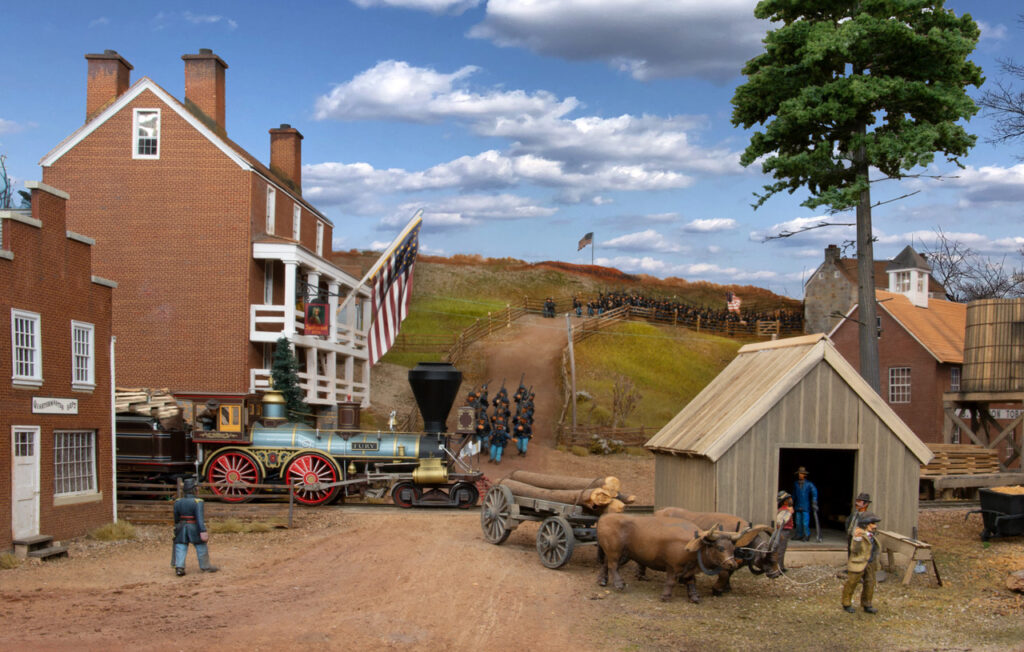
[[704, 569]]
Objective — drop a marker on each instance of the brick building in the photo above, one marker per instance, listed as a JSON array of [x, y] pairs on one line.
[[920, 345], [55, 394], [215, 252], [831, 290]]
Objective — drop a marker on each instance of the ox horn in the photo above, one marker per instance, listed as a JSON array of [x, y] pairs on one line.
[[747, 536]]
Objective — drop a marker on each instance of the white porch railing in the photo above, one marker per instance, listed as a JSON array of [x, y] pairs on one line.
[[321, 391]]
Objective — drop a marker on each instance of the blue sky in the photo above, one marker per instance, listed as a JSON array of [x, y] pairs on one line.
[[517, 125]]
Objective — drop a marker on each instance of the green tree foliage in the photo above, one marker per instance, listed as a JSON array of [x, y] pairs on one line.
[[845, 87], [285, 373]]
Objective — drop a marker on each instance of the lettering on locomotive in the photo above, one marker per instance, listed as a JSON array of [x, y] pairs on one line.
[[365, 445]]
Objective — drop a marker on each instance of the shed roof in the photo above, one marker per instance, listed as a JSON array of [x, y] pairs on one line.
[[752, 384], [939, 328]]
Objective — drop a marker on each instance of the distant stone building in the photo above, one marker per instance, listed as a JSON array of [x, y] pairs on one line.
[[831, 290]]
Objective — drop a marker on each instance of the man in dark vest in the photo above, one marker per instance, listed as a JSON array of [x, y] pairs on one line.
[[190, 527]]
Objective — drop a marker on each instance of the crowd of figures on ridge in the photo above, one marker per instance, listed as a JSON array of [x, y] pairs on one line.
[[494, 431], [669, 310]]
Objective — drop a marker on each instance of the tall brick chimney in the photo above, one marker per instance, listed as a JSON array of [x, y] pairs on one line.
[[204, 87], [109, 76], [832, 254], [286, 154]]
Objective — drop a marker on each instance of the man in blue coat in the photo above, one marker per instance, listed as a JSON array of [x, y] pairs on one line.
[[190, 527], [805, 499]]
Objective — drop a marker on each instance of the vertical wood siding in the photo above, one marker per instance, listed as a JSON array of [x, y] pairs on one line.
[[684, 482]]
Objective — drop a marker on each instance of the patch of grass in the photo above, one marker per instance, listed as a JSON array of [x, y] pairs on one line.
[[579, 451], [9, 561], [638, 451], [116, 531]]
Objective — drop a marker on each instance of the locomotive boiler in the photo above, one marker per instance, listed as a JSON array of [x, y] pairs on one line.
[[415, 469]]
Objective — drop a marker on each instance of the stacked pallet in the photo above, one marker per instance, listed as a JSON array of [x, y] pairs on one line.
[[960, 459], [158, 403]]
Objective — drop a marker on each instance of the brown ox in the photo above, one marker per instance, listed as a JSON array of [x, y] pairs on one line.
[[666, 544], [754, 553]]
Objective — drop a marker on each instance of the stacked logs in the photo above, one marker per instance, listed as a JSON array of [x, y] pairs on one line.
[[599, 495]]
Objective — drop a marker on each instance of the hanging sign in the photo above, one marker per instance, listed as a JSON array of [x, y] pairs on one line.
[[46, 405], [316, 322]]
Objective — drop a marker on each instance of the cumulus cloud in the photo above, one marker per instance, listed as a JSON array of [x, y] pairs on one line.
[[468, 210], [208, 19], [646, 38], [710, 225], [827, 234], [433, 6], [989, 184], [9, 127], [992, 32], [647, 240], [96, 22], [689, 271]]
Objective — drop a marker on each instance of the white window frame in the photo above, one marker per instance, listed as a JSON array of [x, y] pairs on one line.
[[33, 347], [83, 356], [319, 238], [954, 379], [268, 282], [271, 209], [899, 385], [296, 221], [74, 462], [136, 136], [902, 282]]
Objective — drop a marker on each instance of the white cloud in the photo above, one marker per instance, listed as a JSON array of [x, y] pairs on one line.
[[828, 234], [433, 6], [468, 210], [208, 19], [689, 271], [9, 127], [646, 38], [989, 184], [96, 22], [992, 32], [711, 225], [648, 240]]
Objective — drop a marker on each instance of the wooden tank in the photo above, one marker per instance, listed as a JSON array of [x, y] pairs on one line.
[[994, 346]]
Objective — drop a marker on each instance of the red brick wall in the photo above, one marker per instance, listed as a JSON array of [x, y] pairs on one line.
[[51, 275], [928, 378], [175, 234]]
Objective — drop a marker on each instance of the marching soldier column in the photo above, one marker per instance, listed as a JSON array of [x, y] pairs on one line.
[[494, 432]]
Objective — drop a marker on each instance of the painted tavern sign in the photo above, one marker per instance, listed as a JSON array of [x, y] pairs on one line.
[[43, 405]]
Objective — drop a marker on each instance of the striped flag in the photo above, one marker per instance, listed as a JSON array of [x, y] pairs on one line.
[[391, 289], [732, 301], [585, 240]]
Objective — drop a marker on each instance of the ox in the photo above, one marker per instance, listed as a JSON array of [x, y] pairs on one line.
[[673, 545], [755, 553]]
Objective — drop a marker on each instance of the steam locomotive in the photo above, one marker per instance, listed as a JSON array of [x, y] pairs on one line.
[[415, 469]]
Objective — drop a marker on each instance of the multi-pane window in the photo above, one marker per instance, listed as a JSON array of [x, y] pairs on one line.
[[296, 221], [319, 239], [902, 282], [954, 379], [24, 443], [83, 359], [271, 207], [147, 133], [268, 282], [899, 384], [26, 347], [74, 462]]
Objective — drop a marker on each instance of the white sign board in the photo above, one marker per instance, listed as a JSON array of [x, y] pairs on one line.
[[43, 405]]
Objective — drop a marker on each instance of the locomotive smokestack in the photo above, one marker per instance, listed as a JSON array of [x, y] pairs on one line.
[[435, 384]]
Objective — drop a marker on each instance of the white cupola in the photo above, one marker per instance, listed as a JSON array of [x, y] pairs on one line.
[[908, 275]]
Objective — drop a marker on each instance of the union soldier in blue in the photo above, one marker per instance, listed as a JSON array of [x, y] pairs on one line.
[[523, 431], [805, 499], [499, 439], [190, 527]]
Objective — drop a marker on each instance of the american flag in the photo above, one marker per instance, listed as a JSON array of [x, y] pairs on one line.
[[585, 240], [732, 301], [391, 289]]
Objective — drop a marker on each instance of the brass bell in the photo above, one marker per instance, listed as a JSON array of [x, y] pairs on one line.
[[351, 467]]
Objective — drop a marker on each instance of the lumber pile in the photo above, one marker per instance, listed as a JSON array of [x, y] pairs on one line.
[[599, 495], [960, 459], [156, 403]]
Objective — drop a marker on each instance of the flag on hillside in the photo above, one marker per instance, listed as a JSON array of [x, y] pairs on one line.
[[392, 286], [732, 301], [585, 240]]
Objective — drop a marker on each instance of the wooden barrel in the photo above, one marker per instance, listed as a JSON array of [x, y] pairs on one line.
[[994, 346]]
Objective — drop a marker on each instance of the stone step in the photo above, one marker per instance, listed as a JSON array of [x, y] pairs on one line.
[[47, 554], [24, 546]]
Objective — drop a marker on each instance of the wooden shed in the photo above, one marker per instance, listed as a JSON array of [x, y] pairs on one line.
[[781, 405]]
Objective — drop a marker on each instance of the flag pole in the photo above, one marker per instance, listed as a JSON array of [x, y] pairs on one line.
[[416, 219]]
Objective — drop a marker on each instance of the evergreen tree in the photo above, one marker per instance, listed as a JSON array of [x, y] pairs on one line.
[[285, 373], [845, 87]]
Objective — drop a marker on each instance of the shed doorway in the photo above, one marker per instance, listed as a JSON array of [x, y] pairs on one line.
[[832, 472]]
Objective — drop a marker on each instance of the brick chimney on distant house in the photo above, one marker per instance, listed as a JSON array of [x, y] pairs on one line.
[[286, 154], [832, 254], [109, 76], [204, 87]]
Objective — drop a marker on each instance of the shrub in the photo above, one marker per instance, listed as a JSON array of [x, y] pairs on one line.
[[602, 446], [116, 531], [9, 561], [579, 451]]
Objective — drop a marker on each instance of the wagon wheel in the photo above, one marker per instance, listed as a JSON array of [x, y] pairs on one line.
[[555, 542], [464, 495], [495, 515], [230, 468], [311, 468], [405, 494]]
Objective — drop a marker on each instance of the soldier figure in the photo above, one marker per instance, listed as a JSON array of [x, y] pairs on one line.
[[522, 433], [190, 527], [805, 499], [862, 564], [499, 439]]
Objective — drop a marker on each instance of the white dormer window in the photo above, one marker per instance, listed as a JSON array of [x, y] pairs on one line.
[[319, 238], [146, 130], [902, 282], [920, 282], [271, 206], [296, 221]]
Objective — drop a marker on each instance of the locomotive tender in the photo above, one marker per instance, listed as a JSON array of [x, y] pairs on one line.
[[415, 469]]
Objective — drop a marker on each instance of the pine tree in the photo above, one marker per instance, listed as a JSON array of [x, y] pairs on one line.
[[848, 87], [285, 373]]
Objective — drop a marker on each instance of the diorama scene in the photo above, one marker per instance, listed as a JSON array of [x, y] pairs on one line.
[[533, 325]]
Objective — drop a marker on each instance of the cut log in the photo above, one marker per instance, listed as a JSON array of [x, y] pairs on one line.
[[569, 496], [546, 481]]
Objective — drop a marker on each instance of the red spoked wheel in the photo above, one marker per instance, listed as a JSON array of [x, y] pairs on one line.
[[229, 472], [405, 494], [313, 469]]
